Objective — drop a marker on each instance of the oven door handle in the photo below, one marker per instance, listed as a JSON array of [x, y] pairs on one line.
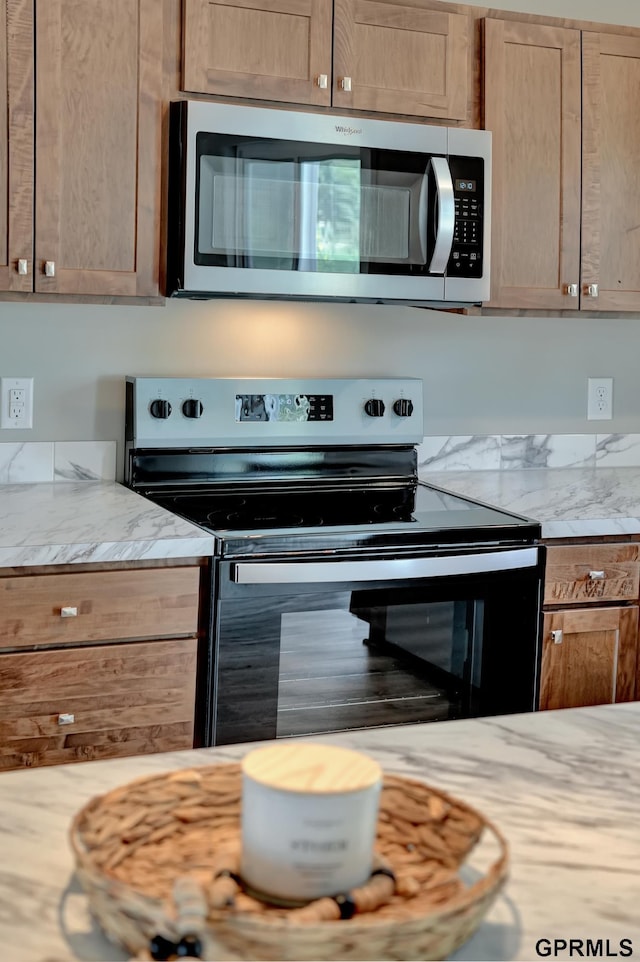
[[393, 569]]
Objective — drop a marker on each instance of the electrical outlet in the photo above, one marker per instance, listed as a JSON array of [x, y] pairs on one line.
[[16, 402], [599, 398]]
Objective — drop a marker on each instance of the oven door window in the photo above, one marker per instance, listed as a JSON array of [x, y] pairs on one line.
[[296, 206], [367, 663], [293, 661]]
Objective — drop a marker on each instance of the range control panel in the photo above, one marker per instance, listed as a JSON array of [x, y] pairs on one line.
[[174, 412]]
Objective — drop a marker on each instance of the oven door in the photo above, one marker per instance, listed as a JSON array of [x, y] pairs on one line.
[[316, 645]]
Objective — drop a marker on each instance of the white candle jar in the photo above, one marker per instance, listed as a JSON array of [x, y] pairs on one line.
[[309, 815]]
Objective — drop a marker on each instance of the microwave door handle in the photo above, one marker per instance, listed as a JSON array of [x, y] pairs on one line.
[[446, 215], [393, 569]]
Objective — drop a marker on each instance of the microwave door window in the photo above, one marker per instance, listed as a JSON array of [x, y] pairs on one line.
[[296, 206], [248, 212], [267, 215], [330, 197]]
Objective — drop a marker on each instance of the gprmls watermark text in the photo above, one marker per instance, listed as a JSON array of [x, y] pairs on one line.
[[584, 948]]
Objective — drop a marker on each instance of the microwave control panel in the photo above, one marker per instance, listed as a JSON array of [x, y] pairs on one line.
[[467, 174]]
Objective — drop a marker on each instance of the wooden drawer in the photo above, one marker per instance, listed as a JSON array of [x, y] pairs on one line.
[[105, 701], [576, 574], [109, 605]]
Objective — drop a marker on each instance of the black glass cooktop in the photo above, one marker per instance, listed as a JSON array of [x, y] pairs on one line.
[[257, 509], [324, 499]]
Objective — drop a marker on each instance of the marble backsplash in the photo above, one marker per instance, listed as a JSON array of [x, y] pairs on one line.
[[504, 452], [96, 460], [36, 461]]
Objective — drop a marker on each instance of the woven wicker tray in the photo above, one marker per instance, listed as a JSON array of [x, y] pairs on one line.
[[131, 844]]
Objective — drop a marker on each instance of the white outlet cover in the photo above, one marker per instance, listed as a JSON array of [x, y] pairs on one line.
[[8, 408], [599, 398]]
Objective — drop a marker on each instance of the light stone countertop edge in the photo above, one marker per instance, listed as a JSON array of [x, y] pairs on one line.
[[567, 502], [90, 522]]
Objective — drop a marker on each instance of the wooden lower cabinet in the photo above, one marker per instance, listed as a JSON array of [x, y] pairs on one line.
[[589, 657], [84, 607], [104, 701], [97, 662]]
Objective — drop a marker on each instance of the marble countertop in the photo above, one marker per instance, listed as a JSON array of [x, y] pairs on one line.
[[564, 787], [56, 523], [85, 521], [569, 502]]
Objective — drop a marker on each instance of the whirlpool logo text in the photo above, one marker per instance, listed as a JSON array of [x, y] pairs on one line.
[[341, 129]]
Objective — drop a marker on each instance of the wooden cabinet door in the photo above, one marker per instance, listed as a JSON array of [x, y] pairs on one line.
[[266, 49], [16, 145], [532, 106], [97, 143], [102, 702], [593, 661], [611, 148], [400, 58]]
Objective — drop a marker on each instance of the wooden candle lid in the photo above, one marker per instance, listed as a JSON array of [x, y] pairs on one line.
[[312, 769]]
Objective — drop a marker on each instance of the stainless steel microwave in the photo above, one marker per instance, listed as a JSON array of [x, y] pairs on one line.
[[277, 203]]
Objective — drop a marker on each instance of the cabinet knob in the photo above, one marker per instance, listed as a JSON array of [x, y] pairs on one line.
[[592, 290], [66, 718], [23, 266], [556, 637], [50, 268], [596, 576], [322, 81], [345, 84], [571, 290], [68, 612]]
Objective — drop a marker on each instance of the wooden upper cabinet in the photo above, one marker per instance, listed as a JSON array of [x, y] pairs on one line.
[[611, 148], [563, 108], [532, 106], [80, 168], [391, 56], [400, 58], [266, 49], [97, 144], [588, 657], [16, 150]]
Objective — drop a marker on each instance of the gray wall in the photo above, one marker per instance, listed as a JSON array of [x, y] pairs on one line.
[[614, 11], [482, 375]]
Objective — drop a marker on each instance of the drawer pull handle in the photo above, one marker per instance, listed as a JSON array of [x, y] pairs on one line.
[[596, 576], [68, 612], [556, 637], [66, 718]]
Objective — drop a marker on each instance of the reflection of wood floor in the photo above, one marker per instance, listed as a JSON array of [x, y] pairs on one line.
[[331, 681]]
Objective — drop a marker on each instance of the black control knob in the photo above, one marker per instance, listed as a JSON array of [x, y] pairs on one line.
[[160, 408], [374, 407], [403, 407], [192, 408]]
